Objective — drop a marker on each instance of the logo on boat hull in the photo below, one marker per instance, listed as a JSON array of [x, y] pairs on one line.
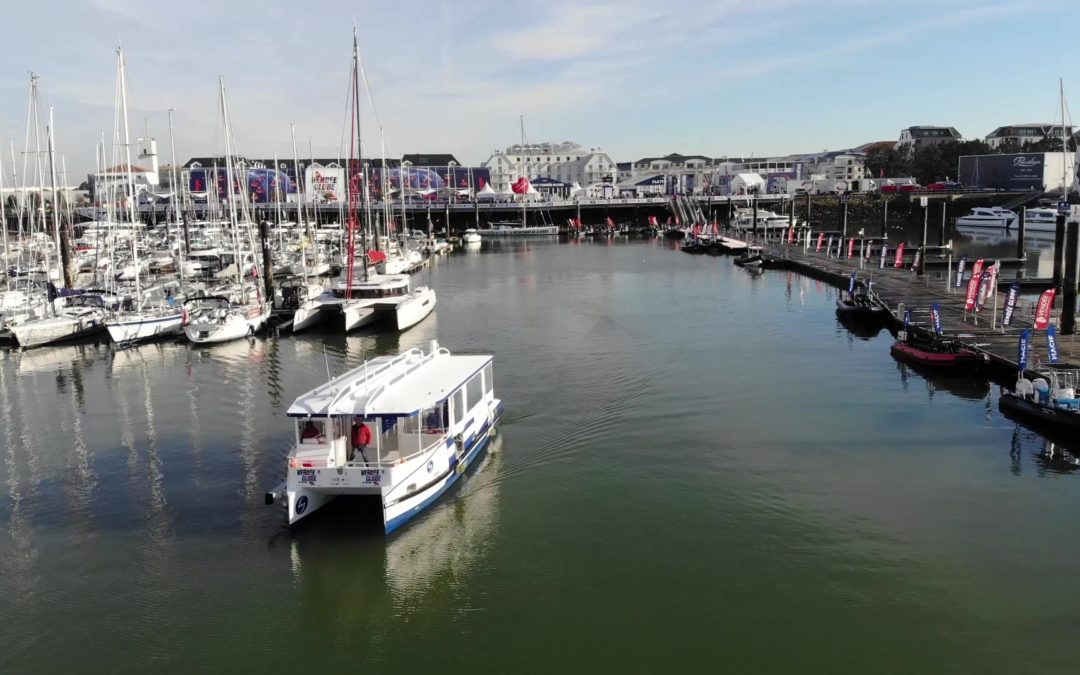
[[301, 505]]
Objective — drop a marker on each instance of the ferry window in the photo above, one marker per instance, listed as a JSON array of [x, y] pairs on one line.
[[434, 419], [474, 390], [311, 431], [459, 406], [489, 378]]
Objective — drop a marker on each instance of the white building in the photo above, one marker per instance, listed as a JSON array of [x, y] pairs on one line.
[[682, 173], [145, 176], [567, 162], [918, 136], [1021, 134]]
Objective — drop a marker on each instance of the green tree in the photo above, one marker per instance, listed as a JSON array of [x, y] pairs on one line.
[[887, 162]]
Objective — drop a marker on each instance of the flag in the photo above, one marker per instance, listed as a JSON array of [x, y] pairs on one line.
[[851, 284], [1043, 308], [790, 235], [935, 317], [1051, 343], [907, 318], [828, 247], [820, 239], [884, 255], [960, 271], [989, 284], [851, 247], [973, 285], [881, 173], [1010, 303], [611, 223], [918, 257], [1022, 350], [899, 262]]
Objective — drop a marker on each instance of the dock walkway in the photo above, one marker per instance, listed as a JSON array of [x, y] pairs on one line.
[[903, 289]]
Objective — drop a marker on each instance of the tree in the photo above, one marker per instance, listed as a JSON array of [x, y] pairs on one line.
[[886, 162]]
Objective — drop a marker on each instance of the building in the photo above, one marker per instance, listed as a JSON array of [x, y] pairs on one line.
[[918, 136], [145, 175], [567, 162], [682, 173], [844, 165], [1019, 135]]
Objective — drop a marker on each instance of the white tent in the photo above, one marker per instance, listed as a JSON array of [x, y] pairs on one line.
[[487, 190], [575, 188], [746, 183]]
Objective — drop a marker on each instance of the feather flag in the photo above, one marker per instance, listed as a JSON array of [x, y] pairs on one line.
[[973, 285], [1043, 308], [898, 263]]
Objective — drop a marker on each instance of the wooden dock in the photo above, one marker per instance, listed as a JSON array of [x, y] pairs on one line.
[[903, 289]]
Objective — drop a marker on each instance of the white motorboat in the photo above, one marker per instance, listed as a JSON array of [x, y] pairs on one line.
[[77, 316], [988, 216], [470, 236], [431, 416], [216, 318], [1040, 219], [146, 324]]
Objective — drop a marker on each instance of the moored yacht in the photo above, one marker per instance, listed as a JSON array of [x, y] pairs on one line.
[[216, 318], [77, 316], [430, 415], [988, 216]]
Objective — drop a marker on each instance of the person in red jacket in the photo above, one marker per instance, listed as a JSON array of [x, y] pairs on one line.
[[361, 437]]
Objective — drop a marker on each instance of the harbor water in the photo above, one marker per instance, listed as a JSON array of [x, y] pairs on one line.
[[698, 470]]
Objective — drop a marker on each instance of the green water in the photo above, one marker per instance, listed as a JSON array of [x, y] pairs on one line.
[[698, 471]]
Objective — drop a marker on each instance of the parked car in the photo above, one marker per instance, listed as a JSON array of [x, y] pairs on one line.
[[944, 186], [911, 188]]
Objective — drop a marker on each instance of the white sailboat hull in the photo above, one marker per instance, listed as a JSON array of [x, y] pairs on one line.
[[140, 327], [308, 314], [237, 324], [358, 313], [414, 308], [57, 329]]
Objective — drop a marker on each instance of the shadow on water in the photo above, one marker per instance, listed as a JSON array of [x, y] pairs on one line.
[[864, 330], [1049, 456]]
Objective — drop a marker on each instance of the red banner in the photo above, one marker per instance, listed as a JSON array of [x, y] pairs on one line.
[[820, 240], [898, 263], [973, 285], [610, 223], [521, 186], [790, 235], [1042, 310], [851, 247], [652, 220]]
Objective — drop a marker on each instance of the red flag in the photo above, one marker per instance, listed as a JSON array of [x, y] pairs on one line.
[[790, 235], [898, 263], [820, 241], [716, 229], [610, 223], [652, 221], [669, 220], [577, 221], [677, 220], [1042, 310], [851, 247], [881, 174], [973, 285]]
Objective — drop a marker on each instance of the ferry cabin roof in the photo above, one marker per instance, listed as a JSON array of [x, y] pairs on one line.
[[392, 386]]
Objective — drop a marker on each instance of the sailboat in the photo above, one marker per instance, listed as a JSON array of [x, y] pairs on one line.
[[371, 297], [220, 318], [74, 314], [154, 312]]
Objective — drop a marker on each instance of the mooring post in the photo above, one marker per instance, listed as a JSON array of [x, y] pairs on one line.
[[1059, 250], [944, 216], [1020, 234], [754, 223], [1068, 296]]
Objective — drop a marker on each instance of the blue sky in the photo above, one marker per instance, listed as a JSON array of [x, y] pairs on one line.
[[635, 77]]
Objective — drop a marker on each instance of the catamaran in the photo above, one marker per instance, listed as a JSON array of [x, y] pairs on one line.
[[431, 416]]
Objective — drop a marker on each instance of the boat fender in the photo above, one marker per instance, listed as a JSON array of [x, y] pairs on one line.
[[184, 317]]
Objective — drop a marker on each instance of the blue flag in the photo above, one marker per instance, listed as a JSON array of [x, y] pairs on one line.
[[1051, 343], [884, 252], [960, 271], [1022, 354], [935, 316], [1010, 303], [907, 318], [851, 284]]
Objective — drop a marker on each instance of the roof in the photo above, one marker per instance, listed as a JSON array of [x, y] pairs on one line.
[[391, 385], [673, 157], [431, 160], [122, 168]]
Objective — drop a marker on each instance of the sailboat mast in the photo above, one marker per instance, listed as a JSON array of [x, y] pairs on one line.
[[524, 169], [300, 207], [229, 192], [50, 134], [3, 225], [176, 195], [350, 167], [129, 179], [1064, 144]]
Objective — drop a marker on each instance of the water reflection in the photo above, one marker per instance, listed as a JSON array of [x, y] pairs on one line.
[[349, 571], [970, 387]]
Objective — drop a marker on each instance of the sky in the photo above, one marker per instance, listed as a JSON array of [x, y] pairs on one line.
[[634, 77]]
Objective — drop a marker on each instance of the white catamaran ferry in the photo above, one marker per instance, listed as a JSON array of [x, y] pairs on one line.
[[430, 416]]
